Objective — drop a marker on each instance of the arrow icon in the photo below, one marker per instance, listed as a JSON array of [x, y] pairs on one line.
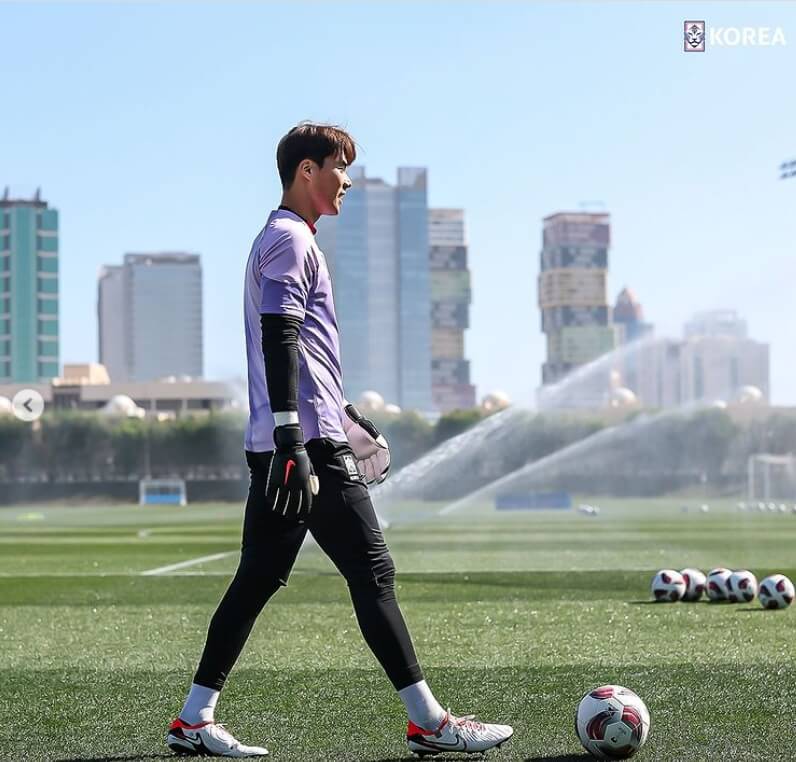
[[28, 404]]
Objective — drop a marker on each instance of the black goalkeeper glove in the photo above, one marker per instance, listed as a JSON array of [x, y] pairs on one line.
[[291, 483]]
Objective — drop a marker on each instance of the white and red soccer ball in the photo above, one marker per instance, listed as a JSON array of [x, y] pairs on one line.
[[612, 722], [695, 582], [741, 587], [776, 592], [717, 584], [668, 586]]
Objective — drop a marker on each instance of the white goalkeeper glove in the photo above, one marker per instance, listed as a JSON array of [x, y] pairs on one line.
[[370, 448]]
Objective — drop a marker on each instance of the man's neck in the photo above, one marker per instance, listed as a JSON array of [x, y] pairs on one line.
[[303, 210]]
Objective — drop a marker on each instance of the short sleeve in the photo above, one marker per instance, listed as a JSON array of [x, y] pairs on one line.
[[286, 276]]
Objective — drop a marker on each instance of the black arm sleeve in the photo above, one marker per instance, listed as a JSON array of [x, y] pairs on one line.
[[280, 350]]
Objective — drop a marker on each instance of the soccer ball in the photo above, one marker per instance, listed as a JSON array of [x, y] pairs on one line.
[[694, 584], [776, 592], [668, 585], [717, 584], [612, 722], [741, 587]]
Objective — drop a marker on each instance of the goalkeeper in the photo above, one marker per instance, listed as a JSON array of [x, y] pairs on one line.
[[310, 456]]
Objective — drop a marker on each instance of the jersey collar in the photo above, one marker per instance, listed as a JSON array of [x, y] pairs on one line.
[[307, 222]]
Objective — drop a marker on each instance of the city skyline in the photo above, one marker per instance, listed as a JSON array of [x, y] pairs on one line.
[[444, 223], [683, 150]]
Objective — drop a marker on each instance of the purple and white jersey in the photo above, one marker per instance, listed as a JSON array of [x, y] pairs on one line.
[[287, 275]]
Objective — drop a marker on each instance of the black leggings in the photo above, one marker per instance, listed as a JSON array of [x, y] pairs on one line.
[[345, 526]]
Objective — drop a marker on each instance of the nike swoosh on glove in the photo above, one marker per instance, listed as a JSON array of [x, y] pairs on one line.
[[291, 483], [370, 448]]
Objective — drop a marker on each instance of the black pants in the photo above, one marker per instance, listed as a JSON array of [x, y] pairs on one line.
[[345, 526]]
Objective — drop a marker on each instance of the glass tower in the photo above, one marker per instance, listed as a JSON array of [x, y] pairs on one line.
[[29, 349], [377, 249]]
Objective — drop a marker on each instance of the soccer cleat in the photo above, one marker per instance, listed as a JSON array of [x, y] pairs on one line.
[[207, 739], [462, 734]]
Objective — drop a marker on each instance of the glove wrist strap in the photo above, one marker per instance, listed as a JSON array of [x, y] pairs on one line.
[[289, 436]]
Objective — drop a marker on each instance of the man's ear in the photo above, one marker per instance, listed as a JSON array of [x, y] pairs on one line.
[[306, 167]]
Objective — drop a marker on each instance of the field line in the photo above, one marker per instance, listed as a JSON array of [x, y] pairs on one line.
[[17, 575], [189, 562]]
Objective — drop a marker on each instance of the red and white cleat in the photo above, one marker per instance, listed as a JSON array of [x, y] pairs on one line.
[[208, 739], [462, 734]]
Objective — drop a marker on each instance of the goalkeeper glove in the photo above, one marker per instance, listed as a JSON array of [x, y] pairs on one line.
[[291, 482], [370, 448]]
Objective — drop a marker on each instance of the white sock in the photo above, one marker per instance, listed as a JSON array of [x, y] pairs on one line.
[[421, 706], [200, 704]]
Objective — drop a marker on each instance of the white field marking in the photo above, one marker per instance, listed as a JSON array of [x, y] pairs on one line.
[[189, 562], [163, 570], [12, 575]]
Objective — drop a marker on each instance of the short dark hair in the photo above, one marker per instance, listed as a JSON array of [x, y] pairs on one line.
[[311, 141]]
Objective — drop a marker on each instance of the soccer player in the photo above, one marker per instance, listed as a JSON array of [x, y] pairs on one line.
[[310, 456]]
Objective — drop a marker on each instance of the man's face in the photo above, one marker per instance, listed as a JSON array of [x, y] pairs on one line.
[[329, 184]]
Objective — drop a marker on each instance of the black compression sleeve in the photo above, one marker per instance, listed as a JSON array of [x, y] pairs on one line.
[[280, 350]]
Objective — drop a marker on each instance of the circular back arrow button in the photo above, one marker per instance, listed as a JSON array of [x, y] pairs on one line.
[[28, 404]]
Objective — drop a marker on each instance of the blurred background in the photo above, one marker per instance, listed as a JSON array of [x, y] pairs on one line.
[[560, 219]]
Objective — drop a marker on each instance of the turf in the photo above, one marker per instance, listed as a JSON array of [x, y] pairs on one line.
[[514, 617]]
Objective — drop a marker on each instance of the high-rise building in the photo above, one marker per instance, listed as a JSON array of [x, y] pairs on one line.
[[378, 254], [450, 303], [111, 319], [714, 361], [573, 295], [718, 358], [150, 317], [653, 372], [29, 308]]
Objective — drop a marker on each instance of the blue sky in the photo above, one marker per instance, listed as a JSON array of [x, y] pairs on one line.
[[153, 127]]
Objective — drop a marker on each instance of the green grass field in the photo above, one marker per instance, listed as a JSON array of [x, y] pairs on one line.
[[513, 616]]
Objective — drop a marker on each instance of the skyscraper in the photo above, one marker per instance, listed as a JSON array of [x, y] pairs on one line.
[[29, 308], [573, 294], [450, 302], [714, 360], [718, 358], [378, 254], [150, 317]]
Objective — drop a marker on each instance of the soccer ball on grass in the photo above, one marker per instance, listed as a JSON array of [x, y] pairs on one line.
[[741, 587], [776, 592], [717, 584], [668, 586], [612, 722], [694, 584]]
